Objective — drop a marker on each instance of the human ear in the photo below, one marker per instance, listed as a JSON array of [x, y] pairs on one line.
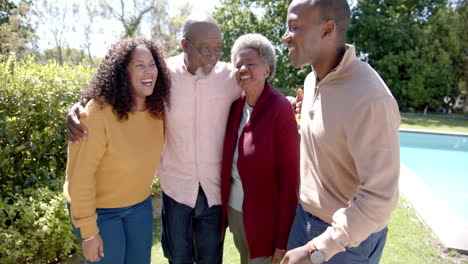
[[329, 28], [184, 44]]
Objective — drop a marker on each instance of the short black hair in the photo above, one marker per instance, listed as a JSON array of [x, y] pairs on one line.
[[336, 10]]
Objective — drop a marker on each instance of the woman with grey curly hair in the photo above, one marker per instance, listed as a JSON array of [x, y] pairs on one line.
[[260, 166]]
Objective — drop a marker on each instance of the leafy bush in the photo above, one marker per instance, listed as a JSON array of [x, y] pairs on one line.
[[34, 99], [35, 228], [33, 102]]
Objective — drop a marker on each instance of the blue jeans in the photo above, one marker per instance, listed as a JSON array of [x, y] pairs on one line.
[[306, 227], [191, 235], [127, 233]]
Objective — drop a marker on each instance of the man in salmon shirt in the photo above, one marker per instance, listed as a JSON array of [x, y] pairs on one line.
[[202, 92]]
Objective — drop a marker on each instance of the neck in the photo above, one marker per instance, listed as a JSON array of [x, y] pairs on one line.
[[190, 68], [251, 96], [140, 104], [329, 61]]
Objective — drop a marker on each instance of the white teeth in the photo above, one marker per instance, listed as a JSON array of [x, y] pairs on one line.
[[245, 77], [149, 80]]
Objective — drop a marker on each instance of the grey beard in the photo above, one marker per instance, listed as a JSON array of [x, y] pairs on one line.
[[201, 74]]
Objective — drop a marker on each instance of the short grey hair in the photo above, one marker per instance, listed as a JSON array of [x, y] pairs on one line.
[[260, 43]]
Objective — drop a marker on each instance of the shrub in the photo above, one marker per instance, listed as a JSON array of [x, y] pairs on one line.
[[34, 225], [35, 228], [33, 103]]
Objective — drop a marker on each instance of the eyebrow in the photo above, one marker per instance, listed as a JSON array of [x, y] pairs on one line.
[[135, 61]]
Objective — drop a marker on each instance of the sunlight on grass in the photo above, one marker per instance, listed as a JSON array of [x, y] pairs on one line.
[[408, 241], [434, 123]]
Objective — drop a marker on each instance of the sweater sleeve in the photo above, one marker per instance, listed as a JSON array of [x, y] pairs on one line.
[[373, 142], [287, 171], [84, 159]]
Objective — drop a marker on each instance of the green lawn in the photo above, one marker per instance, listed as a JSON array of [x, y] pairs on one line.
[[434, 123], [408, 241]]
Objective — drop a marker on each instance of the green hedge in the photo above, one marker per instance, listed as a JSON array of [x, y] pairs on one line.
[[34, 100]]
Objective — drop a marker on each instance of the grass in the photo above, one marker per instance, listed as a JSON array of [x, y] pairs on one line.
[[408, 241], [434, 123]]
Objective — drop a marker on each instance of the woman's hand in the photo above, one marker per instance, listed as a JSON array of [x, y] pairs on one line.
[[93, 249], [278, 256]]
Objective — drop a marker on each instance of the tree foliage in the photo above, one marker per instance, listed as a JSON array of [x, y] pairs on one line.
[[416, 47], [238, 17], [16, 32], [130, 16], [166, 30]]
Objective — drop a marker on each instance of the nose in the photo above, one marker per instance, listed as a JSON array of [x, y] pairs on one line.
[[243, 68]]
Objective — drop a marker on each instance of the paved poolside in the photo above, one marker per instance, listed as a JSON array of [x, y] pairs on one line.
[[446, 224]]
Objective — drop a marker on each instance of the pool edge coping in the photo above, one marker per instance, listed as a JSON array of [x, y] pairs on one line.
[[446, 224]]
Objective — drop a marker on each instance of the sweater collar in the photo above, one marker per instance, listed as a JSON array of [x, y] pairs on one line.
[[266, 93], [264, 96], [348, 58]]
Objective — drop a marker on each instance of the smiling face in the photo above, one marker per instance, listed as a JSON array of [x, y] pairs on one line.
[[304, 34], [202, 48], [251, 70], [143, 72]]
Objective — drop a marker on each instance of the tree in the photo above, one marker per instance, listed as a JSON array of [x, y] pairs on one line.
[[5, 8], [16, 32], [130, 16], [69, 56], [166, 30], [89, 26], [412, 44], [237, 17], [56, 16]]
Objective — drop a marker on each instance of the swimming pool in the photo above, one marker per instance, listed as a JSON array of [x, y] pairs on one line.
[[441, 162]]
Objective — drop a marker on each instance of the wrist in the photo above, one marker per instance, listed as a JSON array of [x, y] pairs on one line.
[[311, 247], [316, 256], [90, 238]]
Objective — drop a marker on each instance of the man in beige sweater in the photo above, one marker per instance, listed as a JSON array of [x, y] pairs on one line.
[[349, 142]]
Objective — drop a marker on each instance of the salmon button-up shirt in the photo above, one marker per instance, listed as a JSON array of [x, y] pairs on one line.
[[195, 126]]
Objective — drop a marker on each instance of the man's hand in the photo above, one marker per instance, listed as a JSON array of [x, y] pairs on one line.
[[75, 131], [299, 97], [93, 249], [298, 255], [278, 256]]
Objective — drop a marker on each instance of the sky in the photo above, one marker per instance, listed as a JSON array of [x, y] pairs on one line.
[[108, 34]]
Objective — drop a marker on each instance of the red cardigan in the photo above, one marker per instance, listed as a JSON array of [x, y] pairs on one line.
[[268, 166]]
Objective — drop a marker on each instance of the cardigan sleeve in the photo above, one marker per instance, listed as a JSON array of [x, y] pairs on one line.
[[83, 161], [287, 170]]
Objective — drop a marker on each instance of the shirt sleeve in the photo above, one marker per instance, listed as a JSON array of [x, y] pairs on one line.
[[373, 142], [287, 160], [86, 157]]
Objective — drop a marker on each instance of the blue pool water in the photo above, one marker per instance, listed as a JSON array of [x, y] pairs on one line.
[[441, 161]]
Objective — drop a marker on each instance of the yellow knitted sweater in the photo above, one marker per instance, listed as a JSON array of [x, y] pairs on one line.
[[114, 167]]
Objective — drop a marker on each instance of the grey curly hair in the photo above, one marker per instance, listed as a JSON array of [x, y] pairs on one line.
[[260, 43]]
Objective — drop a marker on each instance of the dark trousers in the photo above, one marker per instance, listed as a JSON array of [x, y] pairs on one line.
[[306, 227], [191, 234]]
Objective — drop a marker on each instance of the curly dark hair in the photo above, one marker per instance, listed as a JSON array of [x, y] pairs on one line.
[[111, 82]]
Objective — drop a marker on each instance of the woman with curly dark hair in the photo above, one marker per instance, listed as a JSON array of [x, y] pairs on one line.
[[108, 176]]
